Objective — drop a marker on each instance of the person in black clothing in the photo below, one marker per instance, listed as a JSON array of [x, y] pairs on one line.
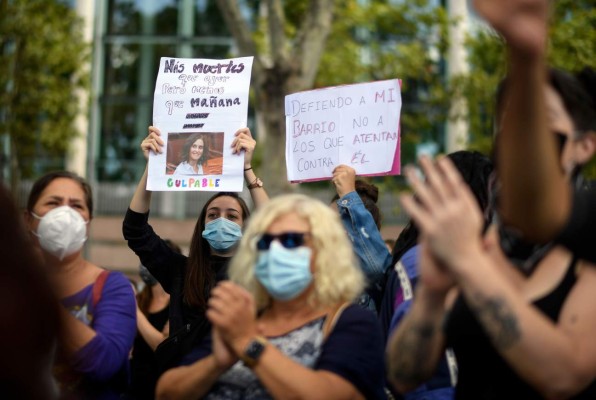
[[153, 305], [189, 280]]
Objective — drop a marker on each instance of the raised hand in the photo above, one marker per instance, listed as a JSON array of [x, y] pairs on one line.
[[523, 23], [244, 141], [446, 212], [344, 179], [152, 142]]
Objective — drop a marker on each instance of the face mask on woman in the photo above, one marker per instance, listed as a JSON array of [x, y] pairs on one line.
[[222, 234], [61, 232], [285, 273]]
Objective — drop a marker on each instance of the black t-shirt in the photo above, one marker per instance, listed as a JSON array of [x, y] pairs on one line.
[[482, 373], [580, 233], [354, 350], [143, 376]]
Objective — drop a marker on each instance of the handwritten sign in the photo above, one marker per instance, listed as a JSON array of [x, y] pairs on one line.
[[356, 125], [198, 105]]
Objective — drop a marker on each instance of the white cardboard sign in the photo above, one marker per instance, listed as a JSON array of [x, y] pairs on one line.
[[356, 125], [198, 105]]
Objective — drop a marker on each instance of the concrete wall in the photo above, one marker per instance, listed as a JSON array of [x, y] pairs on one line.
[[107, 248]]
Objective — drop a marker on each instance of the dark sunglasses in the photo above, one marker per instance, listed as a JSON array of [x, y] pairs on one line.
[[289, 240]]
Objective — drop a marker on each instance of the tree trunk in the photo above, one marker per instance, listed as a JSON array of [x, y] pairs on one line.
[[287, 66]]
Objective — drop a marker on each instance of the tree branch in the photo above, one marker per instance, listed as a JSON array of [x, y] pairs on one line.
[[277, 35], [241, 33], [311, 39]]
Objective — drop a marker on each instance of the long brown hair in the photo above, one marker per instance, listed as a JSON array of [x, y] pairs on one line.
[[188, 144], [200, 276]]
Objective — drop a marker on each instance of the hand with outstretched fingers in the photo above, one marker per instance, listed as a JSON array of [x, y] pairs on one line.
[[445, 211]]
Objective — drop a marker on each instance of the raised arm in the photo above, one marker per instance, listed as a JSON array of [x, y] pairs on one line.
[[534, 195], [360, 225], [448, 216], [152, 251], [245, 142], [141, 200]]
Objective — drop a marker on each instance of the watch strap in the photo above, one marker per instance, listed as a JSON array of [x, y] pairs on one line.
[[253, 351]]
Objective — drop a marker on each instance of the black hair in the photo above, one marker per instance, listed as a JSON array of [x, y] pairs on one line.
[[369, 194], [576, 97], [188, 144], [476, 170], [42, 183], [577, 93]]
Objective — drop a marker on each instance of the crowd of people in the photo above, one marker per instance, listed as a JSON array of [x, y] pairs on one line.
[[485, 294]]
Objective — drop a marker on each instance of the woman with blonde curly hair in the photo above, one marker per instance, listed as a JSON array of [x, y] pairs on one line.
[[285, 326]]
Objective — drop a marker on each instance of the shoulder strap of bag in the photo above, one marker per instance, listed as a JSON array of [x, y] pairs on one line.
[[332, 319], [98, 286]]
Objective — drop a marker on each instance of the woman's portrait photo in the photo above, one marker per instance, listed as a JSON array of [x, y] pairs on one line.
[[194, 153]]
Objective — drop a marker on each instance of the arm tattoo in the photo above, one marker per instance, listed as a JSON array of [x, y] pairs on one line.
[[498, 320], [414, 350]]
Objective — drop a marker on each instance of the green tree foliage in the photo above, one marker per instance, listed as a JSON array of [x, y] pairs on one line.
[[571, 47], [287, 40], [384, 39], [41, 55]]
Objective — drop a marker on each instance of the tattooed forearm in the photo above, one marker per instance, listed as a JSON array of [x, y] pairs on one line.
[[499, 321], [411, 353]]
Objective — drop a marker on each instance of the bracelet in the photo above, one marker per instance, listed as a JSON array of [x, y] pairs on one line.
[[247, 169], [257, 183]]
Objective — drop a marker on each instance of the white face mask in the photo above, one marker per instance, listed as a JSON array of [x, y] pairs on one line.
[[61, 232]]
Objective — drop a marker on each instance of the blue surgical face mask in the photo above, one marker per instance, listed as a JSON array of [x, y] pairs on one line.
[[285, 273], [222, 234]]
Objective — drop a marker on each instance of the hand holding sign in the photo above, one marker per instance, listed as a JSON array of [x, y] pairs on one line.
[[244, 141], [153, 142], [344, 180]]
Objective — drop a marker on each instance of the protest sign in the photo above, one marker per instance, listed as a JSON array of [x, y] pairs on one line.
[[198, 105], [356, 125]]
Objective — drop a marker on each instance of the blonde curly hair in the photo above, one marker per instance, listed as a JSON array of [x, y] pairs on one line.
[[337, 277]]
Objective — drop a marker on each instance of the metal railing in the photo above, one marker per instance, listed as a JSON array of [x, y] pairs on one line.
[[113, 199]]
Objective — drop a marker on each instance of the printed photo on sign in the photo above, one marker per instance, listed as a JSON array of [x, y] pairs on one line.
[[194, 153]]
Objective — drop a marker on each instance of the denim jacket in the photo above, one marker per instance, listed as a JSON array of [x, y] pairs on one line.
[[368, 244]]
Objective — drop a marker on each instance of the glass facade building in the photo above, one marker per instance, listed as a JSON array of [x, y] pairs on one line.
[[130, 38]]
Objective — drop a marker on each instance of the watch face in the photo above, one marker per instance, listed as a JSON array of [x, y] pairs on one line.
[[253, 352], [254, 349]]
